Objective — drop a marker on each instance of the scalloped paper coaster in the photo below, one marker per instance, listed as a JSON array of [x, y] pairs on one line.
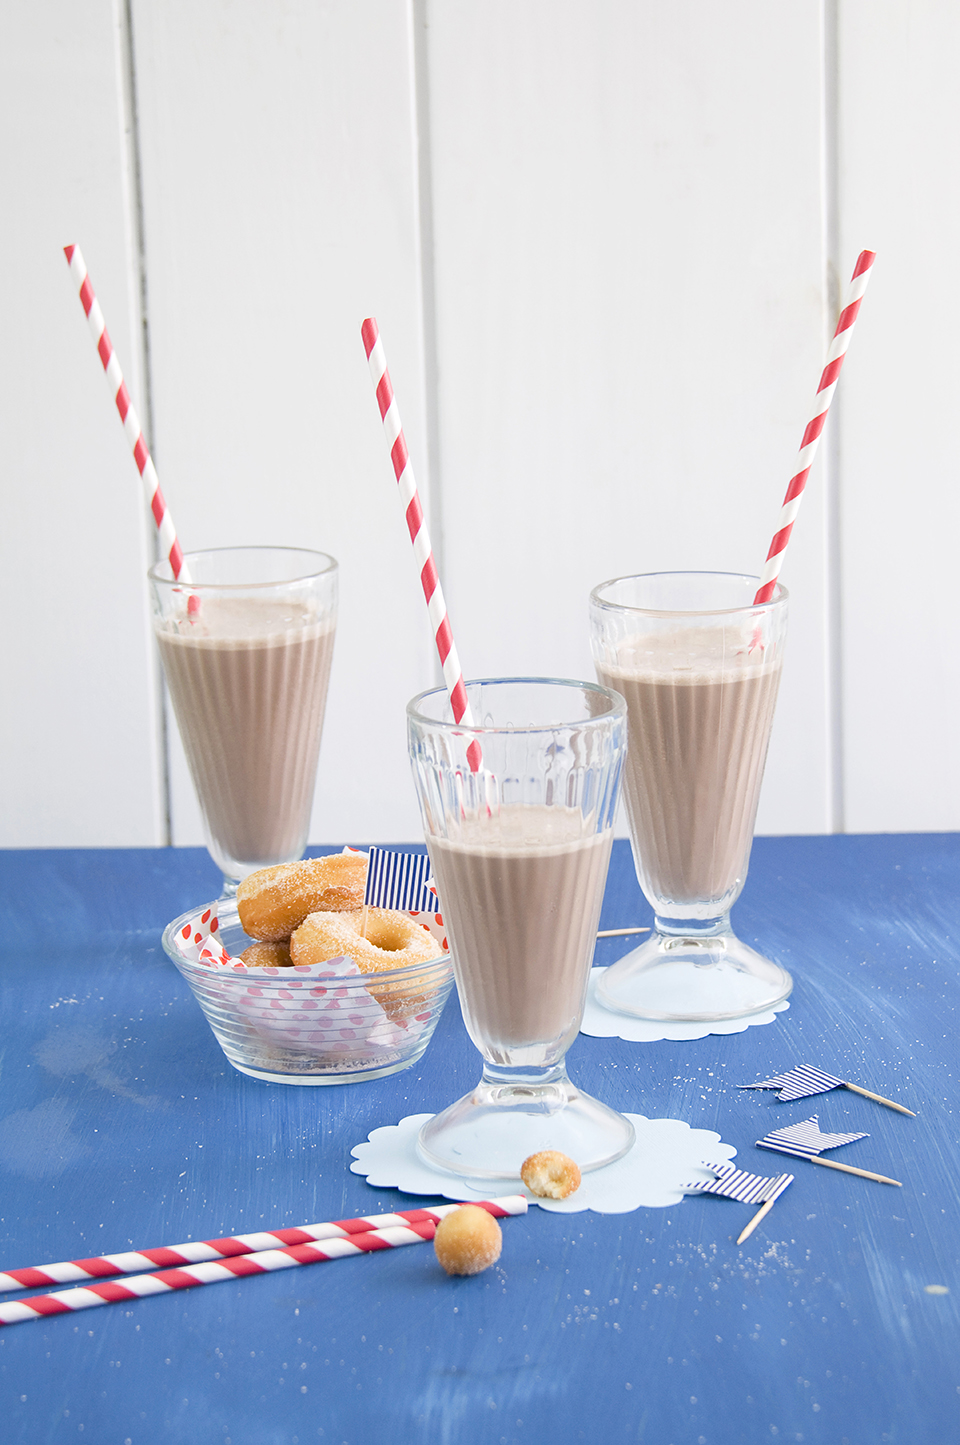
[[600, 1022], [667, 1156]]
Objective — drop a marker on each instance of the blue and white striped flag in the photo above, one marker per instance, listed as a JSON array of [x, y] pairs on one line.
[[800, 1083], [805, 1140], [734, 1183], [399, 880]]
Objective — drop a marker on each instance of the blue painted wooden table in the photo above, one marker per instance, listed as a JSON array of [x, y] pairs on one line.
[[122, 1124]]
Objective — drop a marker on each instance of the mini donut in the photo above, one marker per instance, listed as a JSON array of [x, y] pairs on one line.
[[550, 1174], [468, 1240], [267, 955], [392, 940], [274, 901]]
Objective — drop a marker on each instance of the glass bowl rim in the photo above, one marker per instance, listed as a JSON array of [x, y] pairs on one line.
[[277, 975]]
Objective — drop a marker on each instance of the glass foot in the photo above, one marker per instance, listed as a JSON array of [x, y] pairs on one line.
[[694, 979], [489, 1133]]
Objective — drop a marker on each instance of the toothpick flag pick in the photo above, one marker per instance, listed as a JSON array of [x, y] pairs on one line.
[[399, 880], [806, 1141], [801, 1082], [736, 1183]]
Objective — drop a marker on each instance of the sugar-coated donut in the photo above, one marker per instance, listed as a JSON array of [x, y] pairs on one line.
[[393, 940], [267, 955], [274, 901], [550, 1174], [468, 1240]]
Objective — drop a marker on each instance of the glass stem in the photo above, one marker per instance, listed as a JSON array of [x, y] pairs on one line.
[[693, 928]]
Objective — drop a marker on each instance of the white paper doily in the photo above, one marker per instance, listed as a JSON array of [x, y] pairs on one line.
[[602, 1023], [667, 1155]]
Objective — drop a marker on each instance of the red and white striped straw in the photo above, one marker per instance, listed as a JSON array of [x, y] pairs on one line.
[[169, 545], [814, 428], [200, 1250], [163, 1281], [417, 527]]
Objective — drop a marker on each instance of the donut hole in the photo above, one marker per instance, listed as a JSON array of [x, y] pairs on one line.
[[468, 1241], [267, 955], [391, 941], [550, 1174], [387, 934]]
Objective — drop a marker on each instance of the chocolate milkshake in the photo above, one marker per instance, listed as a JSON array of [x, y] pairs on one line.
[[248, 680], [521, 892], [699, 712], [698, 662], [518, 809]]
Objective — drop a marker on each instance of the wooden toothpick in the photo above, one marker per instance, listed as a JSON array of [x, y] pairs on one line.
[[879, 1099], [765, 1209], [849, 1169], [619, 932]]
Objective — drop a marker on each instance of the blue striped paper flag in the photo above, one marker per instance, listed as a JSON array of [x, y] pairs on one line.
[[399, 880], [805, 1140], [734, 1183], [800, 1083]]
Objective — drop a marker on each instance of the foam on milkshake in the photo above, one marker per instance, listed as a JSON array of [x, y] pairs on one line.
[[520, 891], [248, 678], [700, 706]]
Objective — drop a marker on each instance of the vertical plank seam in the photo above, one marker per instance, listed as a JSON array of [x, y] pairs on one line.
[[419, 23], [832, 470], [133, 194]]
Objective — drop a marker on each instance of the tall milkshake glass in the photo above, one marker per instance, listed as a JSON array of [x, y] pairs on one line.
[[699, 666], [246, 647], [519, 849]]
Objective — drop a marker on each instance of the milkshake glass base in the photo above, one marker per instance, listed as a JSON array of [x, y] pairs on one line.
[[489, 1133], [695, 978]]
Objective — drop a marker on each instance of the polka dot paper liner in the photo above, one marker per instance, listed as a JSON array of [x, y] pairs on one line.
[[323, 1019]]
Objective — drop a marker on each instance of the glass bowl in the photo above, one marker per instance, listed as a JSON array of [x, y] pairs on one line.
[[323, 1024]]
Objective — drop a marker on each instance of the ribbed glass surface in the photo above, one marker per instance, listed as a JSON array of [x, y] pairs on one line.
[[292, 1026]]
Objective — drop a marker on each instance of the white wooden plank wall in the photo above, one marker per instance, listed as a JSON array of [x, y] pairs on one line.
[[79, 750], [899, 139], [281, 207], [599, 241]]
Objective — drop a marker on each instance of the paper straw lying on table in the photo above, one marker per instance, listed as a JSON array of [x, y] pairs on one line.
[[164, 1281], [169, 545], [199, 1250], [136, 1286], [417, 527], [814, 427]]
